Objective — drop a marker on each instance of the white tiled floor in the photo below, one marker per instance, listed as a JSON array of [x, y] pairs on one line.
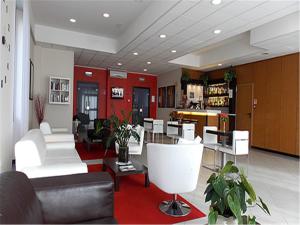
[[275, 179]]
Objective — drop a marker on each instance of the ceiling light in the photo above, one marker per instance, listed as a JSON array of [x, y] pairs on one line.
[[145, 70], [265, 53], [216, 2], [72, 20], [217, 31], [120, 64], [106, 15], [162, 36], [173, 51], [135, 53], [220, 64], [149, 63]]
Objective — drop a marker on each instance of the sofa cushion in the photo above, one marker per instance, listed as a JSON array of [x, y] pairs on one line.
[[18, 201], [30, 150]]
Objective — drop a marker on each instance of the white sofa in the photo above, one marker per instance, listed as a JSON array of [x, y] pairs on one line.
[[57, 137], [36, 160], [135, 148]]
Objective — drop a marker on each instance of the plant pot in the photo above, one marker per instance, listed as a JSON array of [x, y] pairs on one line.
[[227, 221], [123, 154]]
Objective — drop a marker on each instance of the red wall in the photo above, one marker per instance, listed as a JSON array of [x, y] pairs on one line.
[[107, 105]]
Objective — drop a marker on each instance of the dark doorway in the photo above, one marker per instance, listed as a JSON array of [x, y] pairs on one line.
[[87, 99], [140, 105]]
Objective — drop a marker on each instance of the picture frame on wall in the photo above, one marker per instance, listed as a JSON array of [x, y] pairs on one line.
[[31, 80], [117, 92]]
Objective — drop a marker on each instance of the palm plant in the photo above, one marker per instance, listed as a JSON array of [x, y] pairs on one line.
[[122, 130], [229, 192]]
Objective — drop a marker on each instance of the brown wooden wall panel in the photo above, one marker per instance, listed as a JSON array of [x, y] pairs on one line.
[[244, 73], [273, 103], [260, 81], [289, 111]]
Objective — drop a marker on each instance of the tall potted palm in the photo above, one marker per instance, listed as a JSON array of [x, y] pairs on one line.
[[122, 130]]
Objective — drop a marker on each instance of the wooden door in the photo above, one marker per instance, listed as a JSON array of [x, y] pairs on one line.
[[244, 108]]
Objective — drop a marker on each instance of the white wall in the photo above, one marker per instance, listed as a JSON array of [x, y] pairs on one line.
[[169, 79], [59, 63], [7, 80]]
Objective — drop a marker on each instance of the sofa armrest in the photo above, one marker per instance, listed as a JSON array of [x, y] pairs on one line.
[[75, 198], [58, 169]]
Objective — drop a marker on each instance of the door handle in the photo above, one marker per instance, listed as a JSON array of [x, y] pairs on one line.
[[249, 114]]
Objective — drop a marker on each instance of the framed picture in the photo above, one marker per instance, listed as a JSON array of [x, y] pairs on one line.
[[117, 92], [31, 80]]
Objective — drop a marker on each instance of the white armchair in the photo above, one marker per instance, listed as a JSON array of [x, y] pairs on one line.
[[135, 148], [174, 169]]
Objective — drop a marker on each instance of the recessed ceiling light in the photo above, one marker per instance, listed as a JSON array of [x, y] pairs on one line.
[[162, 36], [218, 31], [145, 70], [120, 64], [149, 63], [72, 20], [220, 64], [216, 2], [173, 51], [106, 15], [135, 53]]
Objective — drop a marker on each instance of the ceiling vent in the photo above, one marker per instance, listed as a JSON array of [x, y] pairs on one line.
[[118, 74]]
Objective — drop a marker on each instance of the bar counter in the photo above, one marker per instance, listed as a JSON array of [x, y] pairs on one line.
[[202, 118]]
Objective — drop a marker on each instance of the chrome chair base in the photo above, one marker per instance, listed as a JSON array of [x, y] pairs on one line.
[[175, 208]]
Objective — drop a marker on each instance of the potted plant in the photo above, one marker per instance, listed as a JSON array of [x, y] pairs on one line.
[[39, 106], [229, 193], [224, 118], [121, 133], [229, 75]]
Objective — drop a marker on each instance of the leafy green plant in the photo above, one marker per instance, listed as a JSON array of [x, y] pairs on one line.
[[122, 130], [229, 75], [229, 192], [205, 79], [98, 127], [185, 77]]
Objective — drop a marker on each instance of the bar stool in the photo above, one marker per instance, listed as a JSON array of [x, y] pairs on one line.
[[240, 145], [155, 127], [210, 142], [172, 132]]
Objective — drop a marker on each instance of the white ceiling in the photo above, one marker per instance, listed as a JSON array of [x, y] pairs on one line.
[[188, 24], [88, 14]]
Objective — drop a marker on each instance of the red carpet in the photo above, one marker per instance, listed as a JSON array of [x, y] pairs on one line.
[[96, 151], [135, 204]]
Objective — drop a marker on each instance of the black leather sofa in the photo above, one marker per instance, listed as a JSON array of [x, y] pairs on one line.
[[79, 198]]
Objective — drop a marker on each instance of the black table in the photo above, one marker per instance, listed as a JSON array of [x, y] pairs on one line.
[[139, 169]]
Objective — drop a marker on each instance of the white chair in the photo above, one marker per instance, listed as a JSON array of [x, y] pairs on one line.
[[154, 126], [172, 132], [210, 142], [188, 131], [240, 144], [35, 160], [134, 147], [57, 135], [174, 169]]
